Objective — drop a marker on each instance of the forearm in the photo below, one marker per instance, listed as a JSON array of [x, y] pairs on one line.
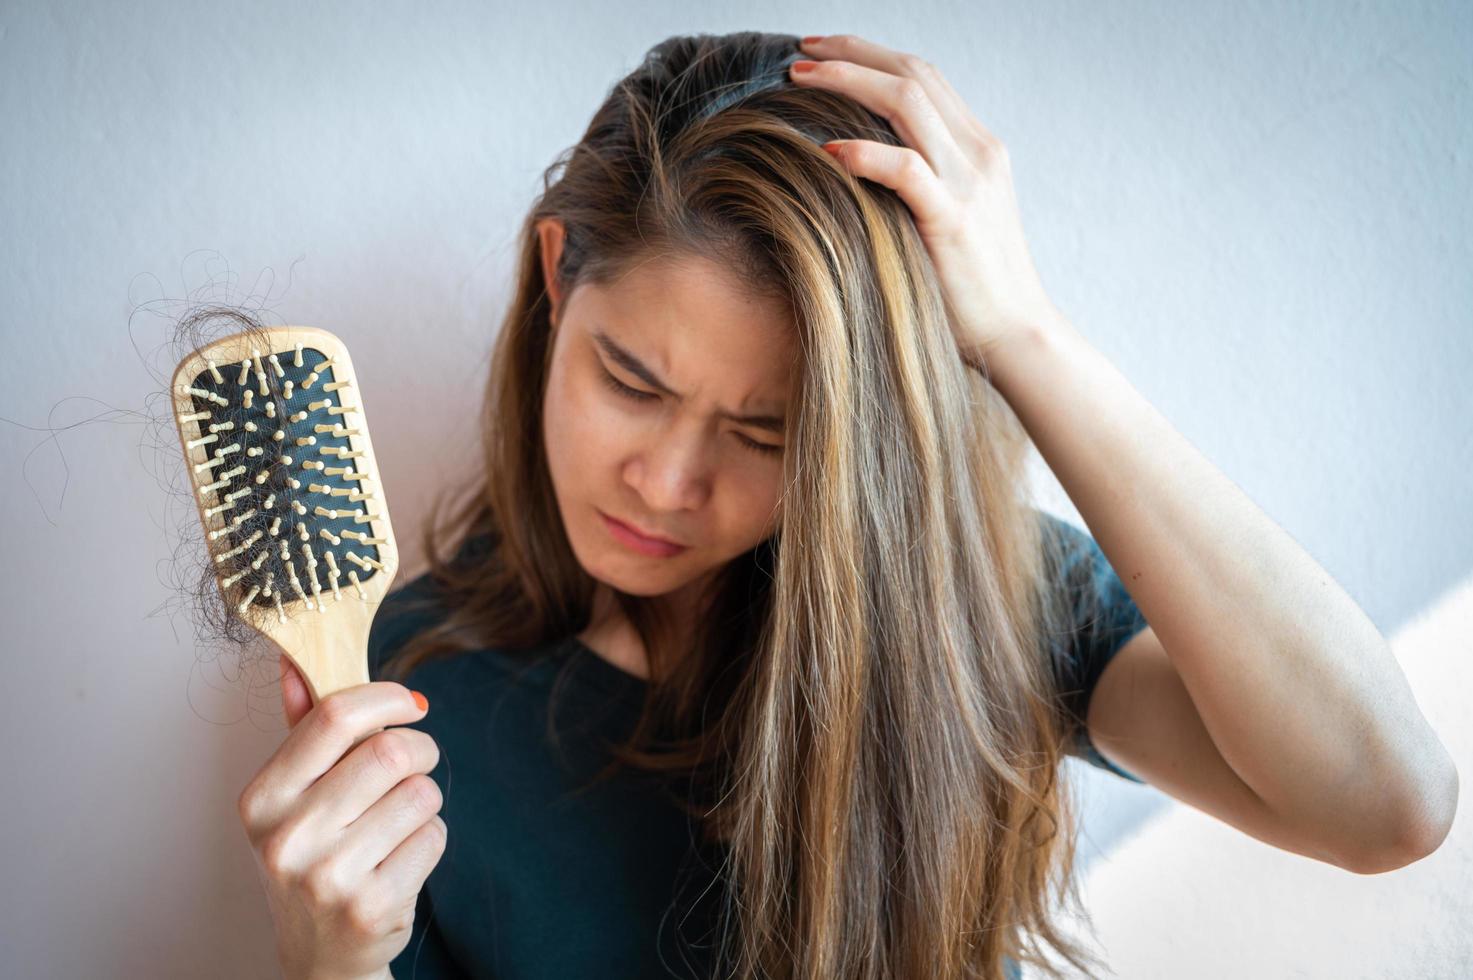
[[1295, 684]]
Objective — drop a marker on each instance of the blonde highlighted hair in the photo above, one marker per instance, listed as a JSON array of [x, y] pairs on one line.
[[870, 721]]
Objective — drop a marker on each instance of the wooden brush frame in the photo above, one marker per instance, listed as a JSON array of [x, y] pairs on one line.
[[329, 647]]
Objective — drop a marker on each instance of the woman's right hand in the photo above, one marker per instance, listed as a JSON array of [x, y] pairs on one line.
[[345, 827]]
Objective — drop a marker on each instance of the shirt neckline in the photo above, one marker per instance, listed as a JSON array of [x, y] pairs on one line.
[[606, 672]]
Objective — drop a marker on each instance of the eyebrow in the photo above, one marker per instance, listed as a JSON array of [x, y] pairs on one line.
[[626, 359]]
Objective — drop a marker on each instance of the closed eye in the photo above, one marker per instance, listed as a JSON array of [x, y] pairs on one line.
[[634, 394]]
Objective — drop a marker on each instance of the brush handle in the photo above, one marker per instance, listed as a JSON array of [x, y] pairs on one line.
[[329, 649]]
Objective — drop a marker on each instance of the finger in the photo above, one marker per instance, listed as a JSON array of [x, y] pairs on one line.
[[333, 726], [296, 697], [374, 769], [404, 871], [959, 118], [904, 171], [902, 101], [392, 819]]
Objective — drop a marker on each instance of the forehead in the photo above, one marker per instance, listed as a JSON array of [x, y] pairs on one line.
[[700, 329]]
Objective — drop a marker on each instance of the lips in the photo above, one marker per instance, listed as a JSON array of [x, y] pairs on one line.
[[637, 541], [645, 534]]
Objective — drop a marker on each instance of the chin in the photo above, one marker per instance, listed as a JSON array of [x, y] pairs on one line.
[[634, 581]]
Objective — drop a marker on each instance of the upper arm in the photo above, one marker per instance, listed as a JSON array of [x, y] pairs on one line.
[[1132, 710], [1142, 717]]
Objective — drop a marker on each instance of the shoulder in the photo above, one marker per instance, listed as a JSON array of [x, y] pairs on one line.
[[405, 611], [1069, 544], [1100, 616], [1098, 601], [455, 669], [411, 607]]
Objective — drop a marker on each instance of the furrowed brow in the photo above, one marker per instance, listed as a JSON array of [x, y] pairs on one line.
[[626, 359]]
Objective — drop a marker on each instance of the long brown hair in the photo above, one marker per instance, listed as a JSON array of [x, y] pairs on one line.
[[870, 706]]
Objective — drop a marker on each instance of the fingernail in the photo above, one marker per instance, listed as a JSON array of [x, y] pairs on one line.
[[813, 38], [799, 67], [833, 147], [421, 700]]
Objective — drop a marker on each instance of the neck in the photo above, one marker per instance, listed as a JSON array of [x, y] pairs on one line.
[[610, 634]]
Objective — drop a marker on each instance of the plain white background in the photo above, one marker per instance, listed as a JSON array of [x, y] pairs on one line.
[[1258, 211]]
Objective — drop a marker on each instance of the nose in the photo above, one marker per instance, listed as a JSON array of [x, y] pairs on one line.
[[673, 470]]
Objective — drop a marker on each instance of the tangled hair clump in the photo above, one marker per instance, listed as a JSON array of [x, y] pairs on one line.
[[193, 324], [869, 721]]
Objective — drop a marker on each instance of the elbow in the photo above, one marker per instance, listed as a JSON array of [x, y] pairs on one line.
[[1437, 808], [1421, 825]]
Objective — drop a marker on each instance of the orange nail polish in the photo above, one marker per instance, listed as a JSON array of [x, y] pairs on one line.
[[813, 38], [801, 66], [421, 700]]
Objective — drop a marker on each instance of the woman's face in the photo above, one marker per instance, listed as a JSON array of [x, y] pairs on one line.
[[666, 459]]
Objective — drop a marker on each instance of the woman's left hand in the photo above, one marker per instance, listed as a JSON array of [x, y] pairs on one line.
[[955, 177]]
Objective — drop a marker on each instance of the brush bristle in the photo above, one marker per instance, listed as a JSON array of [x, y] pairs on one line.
[[282, 490]]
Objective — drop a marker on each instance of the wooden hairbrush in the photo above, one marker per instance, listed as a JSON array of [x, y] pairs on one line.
[[288, 491]]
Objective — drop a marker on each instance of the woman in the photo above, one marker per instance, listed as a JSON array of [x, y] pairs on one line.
[[815, 731]]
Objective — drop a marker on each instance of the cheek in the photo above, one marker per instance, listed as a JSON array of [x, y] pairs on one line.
[[760, 505], [744, 505], [579, 433]]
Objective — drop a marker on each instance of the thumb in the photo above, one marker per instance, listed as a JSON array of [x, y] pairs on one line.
[[296, 697]]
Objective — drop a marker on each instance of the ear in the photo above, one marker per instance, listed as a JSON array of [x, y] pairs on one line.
[[550, 236]]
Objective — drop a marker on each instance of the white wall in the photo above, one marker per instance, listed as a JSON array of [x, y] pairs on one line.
[[1259, 212]]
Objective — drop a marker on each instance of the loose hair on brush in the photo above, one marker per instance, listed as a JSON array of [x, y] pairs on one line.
[[869, 722]]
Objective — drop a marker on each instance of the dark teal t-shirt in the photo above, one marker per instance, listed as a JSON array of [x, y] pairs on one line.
[[542, 879]]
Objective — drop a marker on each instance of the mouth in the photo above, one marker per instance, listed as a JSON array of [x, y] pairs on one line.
[[639, 541]]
